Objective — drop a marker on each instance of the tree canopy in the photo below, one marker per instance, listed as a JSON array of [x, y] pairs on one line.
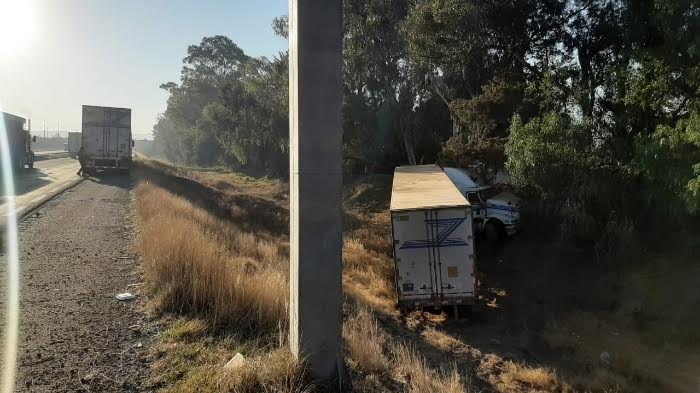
[[555, 90]]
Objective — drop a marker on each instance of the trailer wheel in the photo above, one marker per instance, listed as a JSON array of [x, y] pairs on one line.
[[493, 231]]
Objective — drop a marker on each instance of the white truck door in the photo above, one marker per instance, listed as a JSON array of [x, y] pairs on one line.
[[123, 143], [453, 241], [113, 139], [94, 141], [415, 274]]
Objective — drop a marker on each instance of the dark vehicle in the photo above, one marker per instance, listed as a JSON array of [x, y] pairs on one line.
[[20, 141]]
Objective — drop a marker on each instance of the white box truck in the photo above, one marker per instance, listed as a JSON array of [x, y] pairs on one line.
[[74, 143], [106, 137], [432, 230]]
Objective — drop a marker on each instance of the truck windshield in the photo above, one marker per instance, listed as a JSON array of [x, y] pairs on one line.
[[489, 192]]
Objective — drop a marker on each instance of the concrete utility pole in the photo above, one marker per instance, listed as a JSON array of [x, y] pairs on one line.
[[316, 239]]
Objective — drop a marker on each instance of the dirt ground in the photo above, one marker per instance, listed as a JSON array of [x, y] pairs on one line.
[[75, 257]]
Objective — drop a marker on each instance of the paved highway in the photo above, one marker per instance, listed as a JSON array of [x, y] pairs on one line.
[[34, 185]]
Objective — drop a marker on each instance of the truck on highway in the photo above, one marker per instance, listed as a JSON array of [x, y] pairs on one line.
[[496, 214], [75, 140], [433, 240], [19, 141], [106, 137]]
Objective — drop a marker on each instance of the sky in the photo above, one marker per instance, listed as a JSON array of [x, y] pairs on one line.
[[57, 55]]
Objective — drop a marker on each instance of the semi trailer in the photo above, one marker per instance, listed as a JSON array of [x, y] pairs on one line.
[[106, 137], [433, 240], [19, 141]]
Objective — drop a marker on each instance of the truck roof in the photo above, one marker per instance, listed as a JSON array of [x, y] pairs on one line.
[[424, 187]]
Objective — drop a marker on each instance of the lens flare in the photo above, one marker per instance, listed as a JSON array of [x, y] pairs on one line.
[[12, 254], [18, 26]]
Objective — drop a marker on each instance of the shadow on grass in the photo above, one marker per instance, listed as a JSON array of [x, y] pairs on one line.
[[248, 212]]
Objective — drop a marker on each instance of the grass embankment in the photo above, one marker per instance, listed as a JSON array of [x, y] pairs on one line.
[[215, 252], [229, 285], [223, 289]]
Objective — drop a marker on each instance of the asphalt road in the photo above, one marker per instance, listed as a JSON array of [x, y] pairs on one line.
[[75, 256], [33, 185]]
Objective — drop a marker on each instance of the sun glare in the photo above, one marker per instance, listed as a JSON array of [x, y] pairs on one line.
[[17, 25]]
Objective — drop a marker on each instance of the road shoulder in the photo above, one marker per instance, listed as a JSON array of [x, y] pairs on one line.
[[76, 255]]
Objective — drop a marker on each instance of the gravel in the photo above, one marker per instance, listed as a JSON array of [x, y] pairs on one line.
[[76, 255]]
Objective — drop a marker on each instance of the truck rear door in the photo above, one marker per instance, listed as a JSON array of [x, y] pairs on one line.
[[415, 275], [118, 141], [434, 254], [454, 247]]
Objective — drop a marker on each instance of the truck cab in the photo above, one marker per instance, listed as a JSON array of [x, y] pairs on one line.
[[495, 213]]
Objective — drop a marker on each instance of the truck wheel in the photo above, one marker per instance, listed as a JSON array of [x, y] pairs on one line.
[[31, 165], [492, 231]]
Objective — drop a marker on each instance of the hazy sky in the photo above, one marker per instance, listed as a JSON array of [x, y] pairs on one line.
[[61, 54]]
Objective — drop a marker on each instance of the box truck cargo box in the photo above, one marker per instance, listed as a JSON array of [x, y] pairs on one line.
[[19, 141], [75, 140], [433, 239], [106, 137]]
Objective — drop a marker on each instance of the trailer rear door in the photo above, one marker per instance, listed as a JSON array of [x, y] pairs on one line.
[[453, 241], [107, 133], [434, 254]]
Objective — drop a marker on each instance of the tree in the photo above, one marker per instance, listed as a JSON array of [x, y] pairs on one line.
[[549, 154], [670, 159], [214, 60], [250, 122], [228, 108]]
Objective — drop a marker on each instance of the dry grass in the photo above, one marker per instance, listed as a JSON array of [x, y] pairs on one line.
[[200, 264], [635, 362], [186, 330], [234, 281], [230, 282], [365, 341], [411, 368], [184, 364], [440, 339], [275, 372], [368, 276], [510, 377]]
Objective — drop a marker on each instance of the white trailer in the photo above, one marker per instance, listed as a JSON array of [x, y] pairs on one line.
[[107, 137], [433, 238], [74, 142]]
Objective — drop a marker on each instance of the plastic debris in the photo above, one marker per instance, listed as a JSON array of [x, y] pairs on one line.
[[125, 296], [236, 361], [605, 357]]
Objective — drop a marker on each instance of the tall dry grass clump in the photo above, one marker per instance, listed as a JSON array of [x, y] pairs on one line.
[[368, 276], [411, 367], [274, 372], [198, 263], [364, 342]]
